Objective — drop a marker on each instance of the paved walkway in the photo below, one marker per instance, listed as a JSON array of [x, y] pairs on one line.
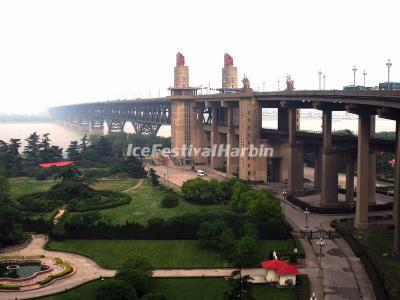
[[343, 276], [86, 270], [135, 187]]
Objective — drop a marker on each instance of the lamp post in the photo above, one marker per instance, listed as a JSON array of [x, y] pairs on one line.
[[319, 79], [306, 213], [263, 86], [278, 81], [321, 244], [324, 77], [364, 74], [284, 194], [354, 77], [388, 65]]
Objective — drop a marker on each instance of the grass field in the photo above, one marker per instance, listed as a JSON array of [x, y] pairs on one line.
[[184, 289], [162, 254], [146, 204], [20, 186]]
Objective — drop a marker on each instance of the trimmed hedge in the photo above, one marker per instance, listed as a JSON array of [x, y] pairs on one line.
[[67, 270], [114, 199], [10, 287]]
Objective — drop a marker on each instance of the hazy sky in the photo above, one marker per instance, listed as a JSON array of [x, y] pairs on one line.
[[59, 52]]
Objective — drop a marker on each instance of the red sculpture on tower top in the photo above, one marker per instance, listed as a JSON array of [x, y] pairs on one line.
[[180, 59], [289, 83], [228, 60]]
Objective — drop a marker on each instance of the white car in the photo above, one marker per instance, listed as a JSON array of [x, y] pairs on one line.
[[200, 173]]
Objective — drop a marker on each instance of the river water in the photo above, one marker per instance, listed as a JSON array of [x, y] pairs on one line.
[[61, 134]]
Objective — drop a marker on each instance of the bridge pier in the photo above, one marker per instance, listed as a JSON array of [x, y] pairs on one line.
[[295, 156], [115, 125], [350, 179], [396, 203], [318, 168], [232, 163], [329, 183], [372, 164], [363, 170]]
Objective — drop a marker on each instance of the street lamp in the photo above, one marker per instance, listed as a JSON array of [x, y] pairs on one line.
[[324, 77], [321, 244], [364, 74], [278, 81], [306, 213], [284, 194], [263, 86], [389, 65], [319, 79], [354, 77]]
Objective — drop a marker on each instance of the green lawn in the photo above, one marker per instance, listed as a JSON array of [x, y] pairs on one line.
[[20, 186], [146, 204], [162, 254], [184, 289]]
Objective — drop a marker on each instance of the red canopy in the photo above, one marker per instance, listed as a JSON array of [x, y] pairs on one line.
[[56, 164], [287, 269], [274, 264]]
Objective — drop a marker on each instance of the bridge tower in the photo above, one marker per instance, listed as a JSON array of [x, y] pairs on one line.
[[184, 117], [229, 73]]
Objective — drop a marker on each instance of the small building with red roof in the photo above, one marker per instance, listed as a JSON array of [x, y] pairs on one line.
[[280, 271], [56, 164]]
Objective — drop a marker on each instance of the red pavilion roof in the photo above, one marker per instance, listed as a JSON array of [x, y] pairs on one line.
[[274, 264], [56, 164], [288, 269]]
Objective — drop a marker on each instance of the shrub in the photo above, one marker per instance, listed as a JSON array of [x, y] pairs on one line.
[[67, 270], [139, 262], [170, 200], [10, 287], [114, 289], [136, 278]]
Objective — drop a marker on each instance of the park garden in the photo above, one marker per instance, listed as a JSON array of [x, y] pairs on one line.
[[114, 209]]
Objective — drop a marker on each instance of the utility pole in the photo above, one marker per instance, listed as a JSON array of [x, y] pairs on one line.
[[319, 79], [364, 74], [354, 77], [388, 65]]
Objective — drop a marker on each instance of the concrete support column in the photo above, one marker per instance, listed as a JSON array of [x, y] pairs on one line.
[[214, 134], [231, 162], [318, 169], [363, 170], [296, 157], [372, 165], [329, 183], [349, 179], [396, 203], [283, 121]]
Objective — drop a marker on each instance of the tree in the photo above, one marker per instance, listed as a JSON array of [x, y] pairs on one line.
[[10, 229], [13, 158], [216, 235], [84, 143], [137, 261], [72, 184], [134, 167], [201, 191], [241, 287], [153, 177], [136, 278], [73, 151], [103, 147], [114, 289], [245, 253], [170, 200], [31, 150]]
